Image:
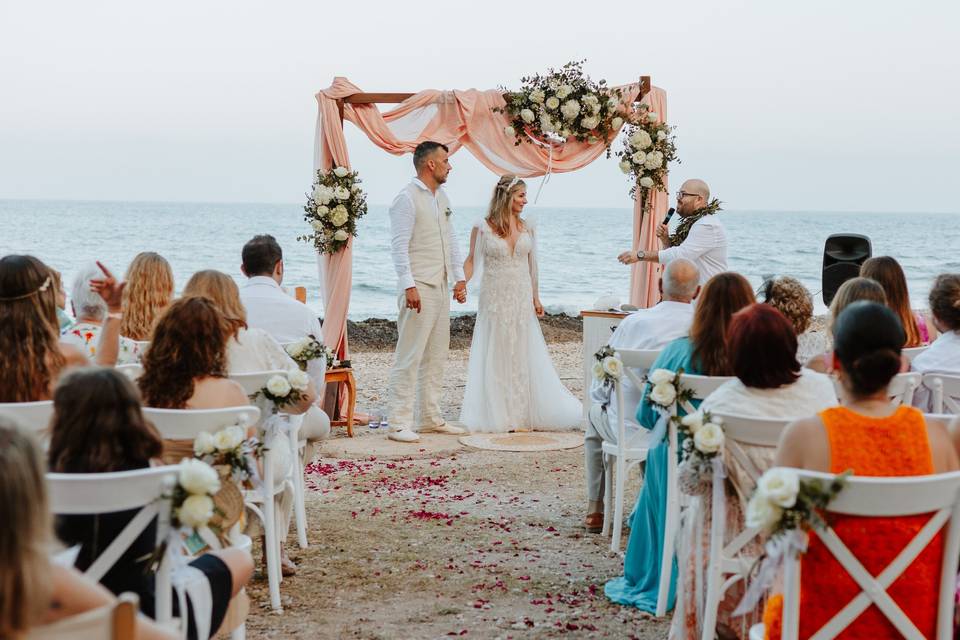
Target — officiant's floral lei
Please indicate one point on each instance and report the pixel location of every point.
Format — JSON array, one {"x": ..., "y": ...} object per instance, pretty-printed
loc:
[
  {"x": 333, "y": 208},
  {"x": 564, "y": 103},
  {"x": 683, "y": 229}
]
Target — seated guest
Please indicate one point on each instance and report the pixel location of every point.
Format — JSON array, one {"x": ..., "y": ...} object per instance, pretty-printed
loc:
[
  {"x": 769, "y": 383},
  {"x": 186, "y": 368},
  {"x": 889, "y": 274},
  {"x": 147, "y": 294},
  {"x": 870, "y": 437},
  {"x": 849, "y": 292},
  {"x": 31, "y": 356},
  {"x": 63, "y": 318},
  {"x": 788, "y": 296},
  {"x": 703, "y": 353},
  {"x": 98, "y": 427},
  {"x": 644, "y": 329},
  {"x": 36, "y": 591},
  {"x": 90, "y": 310},
  {"x": 943, "y": 356}
]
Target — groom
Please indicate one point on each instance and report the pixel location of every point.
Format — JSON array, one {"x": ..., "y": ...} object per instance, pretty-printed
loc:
[{"x": 427, "y": 258}]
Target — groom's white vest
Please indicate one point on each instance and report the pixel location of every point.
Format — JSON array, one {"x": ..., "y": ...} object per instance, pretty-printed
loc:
[{"x": 430, "y": 242}]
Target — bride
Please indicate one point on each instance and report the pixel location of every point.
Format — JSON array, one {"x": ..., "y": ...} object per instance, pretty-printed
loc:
[{"x": 511, "y": 382}]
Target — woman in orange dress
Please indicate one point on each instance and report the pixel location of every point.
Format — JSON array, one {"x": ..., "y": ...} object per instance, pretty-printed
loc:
[{"x": 870, "y": 437}]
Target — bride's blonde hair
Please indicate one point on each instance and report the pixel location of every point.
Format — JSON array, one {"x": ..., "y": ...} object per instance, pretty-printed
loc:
[{"x": 501, "y": 209}]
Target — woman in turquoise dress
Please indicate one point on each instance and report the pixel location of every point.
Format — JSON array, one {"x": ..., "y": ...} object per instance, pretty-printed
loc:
[{"x": 703, "y": 353}]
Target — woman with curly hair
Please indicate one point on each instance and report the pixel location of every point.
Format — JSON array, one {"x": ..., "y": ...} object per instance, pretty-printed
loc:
[
  {"x": 788, "y": 296},
  {"x": 31, "y": 356},
  {"x": 148, "y": 291}
]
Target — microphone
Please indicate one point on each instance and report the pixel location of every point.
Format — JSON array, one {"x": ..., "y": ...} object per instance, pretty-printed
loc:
[{"x": 670, "y": 213}]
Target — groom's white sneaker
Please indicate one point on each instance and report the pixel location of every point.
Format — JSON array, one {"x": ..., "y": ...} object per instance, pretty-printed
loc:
[
  {"x": 444, "y": 428},
  {"x": 403, "y": 435}
]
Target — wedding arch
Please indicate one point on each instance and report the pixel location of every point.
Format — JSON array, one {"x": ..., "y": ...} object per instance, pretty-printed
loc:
[{"x": 471, "y": 119}]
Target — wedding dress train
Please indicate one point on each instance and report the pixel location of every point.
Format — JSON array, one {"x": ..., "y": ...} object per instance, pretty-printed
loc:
[{"x": 511, "y": 381}]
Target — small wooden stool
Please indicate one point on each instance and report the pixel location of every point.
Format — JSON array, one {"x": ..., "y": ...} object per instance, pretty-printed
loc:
[{"x": 344, "y": 375}]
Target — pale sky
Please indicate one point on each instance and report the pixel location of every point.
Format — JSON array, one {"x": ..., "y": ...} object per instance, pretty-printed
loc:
[{"x": 816, "y": 105}]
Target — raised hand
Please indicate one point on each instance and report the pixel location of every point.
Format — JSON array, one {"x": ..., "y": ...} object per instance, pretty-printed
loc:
[{"x": 108, "y": 288}]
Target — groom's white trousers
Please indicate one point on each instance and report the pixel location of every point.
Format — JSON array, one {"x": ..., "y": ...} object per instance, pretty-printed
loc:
[{"x": 422, "y": 346}]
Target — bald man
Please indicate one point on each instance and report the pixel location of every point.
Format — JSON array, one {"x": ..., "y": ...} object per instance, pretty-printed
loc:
[
  {"x": 650, "y": 329},
  {"x": 706, "y": 242}
]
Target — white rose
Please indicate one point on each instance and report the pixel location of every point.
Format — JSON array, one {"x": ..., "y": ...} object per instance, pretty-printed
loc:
[
  {"x": 598, "y": 370},
  {"x": 693, "y": 421},
  {"x": 322, "y": 211},
  {"x": 570, "y": 109},
  {"x": 527, "y": 116},
  {"x": 229, "y": 439},
  {"x": 590, "y": 99},
  {"x": 663, "y": 394},
  {"x": 536, "y": 96},
  {"x": 662, "y": 376},
  {"x": 509, "y": 131},
  {"x": 552, "y": 102},
  {"x": 341, "y": 172},
  {"x": 762, "y": 513},
  {"x": 646, "y": 182},
  {"x": 780, "y": 486},
  {"x": 590, "y": 122},
  {"x": 652, "y": 163},
  {"x": 709, "y": 438},
  {"x": 340, "y": 235},
  {"x": 198, "y": 477},
  {"x": 339, "y": 216},
  {"x": 616, "y": 123},
  {"x": 317, "y": 225},
  {"x": 298, "y": 379},
  {"x": 564, "y": 90},
  {"x": 195, "y": 511},
  {"x": 341, "y": 193},
  {"x": 278, "y": 386},
  {"x": 661, "y": 135},
  {"x": 203, "y": 444},
  {"x": 613, "y": 366},
  {"x": 641, "y": 139},
  {"x": 638, "y": 157},
  {"x": 652, "y": 116},
  {"x": 295, "y": 349},
  {"x": 625, "y": 166}
]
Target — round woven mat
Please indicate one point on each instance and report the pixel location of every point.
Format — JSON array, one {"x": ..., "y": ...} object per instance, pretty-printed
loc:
[{"x": 525, "y": 441}]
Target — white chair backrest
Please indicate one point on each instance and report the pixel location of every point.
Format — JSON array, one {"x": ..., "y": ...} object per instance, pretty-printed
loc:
[
  {"x": 900, "y": 389},
  {"x": 254, "y": 381},
  {"x": 184, "y": 424},
  {"x": 94, "y": 493},
  {"x": 116, "y": 621},
  {"x": 638, "y": 358},
  {"x": 945, "y": 390},
  {"x": 142, "y": 345},
  {"x": 753, "y": 431},
  {"x": 132, "y": 371},
  {"x": 885, "y": 497},
  {"x": 32, "y": 416},
  {"x": 702, "y": 386},
  {"x": 912, "y": 352}
]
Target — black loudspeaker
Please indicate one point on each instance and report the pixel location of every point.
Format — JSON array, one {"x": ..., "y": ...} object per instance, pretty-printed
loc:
[{"x": 843, "y": 253}]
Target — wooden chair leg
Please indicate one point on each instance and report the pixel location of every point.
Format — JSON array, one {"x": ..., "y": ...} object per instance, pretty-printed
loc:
[{"x": 351, "y": 402}]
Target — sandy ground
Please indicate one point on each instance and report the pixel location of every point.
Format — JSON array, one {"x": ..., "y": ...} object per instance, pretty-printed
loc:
[{"x": 441, "y": 541}]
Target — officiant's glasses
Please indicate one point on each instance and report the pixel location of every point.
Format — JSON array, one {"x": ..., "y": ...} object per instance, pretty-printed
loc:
[{"x": 683, "y": 194}]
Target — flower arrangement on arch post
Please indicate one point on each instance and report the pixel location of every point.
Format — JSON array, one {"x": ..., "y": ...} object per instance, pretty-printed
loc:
[
  {"x": 648, "y": 147},
  {"x": 333, "y": 208}
]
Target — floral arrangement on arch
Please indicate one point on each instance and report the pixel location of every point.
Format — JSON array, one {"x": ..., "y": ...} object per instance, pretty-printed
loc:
[
  {"x": 565, "y": 104},
  {"x": 648, "y": 147},
  {"x": 333, "y": 208},
  {"x": 283, "y": 389},
  {"x": 308, "y": 349}
]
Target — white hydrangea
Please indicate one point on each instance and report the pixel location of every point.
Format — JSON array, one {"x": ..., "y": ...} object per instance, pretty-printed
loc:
[
  {"x": 552, "y": 103},
  {"x": 339, "y": 215},
  {"x": 317, "y": 225},
  {"x": 616, "y": 123},
  {"x": 322, "y": 194},
  {"x": 546, "y": 124},
  {"x": 341, "y": 172},
  {"x": 196, "y": 511},
  {"x": 564, "y": 90},
  {"x": 590, "y": 122},
  {"x": 527, "y": 115},
  {"x": 570, "y": 109},
  {"x": 278, "y": 386},
  {"x": 203, "y": 444},
  {"x": 652, "y": 162},
  {"x": 590, "y": 99},
  {"x": 196, "y": 476},
  {"x": 537, "y": 96},
  {"x": 340, "y": 235}
]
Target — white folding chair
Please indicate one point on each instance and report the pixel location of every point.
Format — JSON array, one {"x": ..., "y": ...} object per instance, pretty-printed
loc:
[
  {"x": 31, "y": 416},
  {"x": 622, "y": 451},
  {"x": 726, "y": 563},
  {"x": 132, "y": 370},
  {"x": 945, "y": 390},
  {"x": 141, "y": 345},
  {"x": 254, "y": 381},
  {"x": 94, "y": 493},
  {"x": 116, "y": 621},
  {"x": 701, "y": 386},
  {"x": 883, "y": 497},
  {"x": 900, "y": 389},
  {"x": 912, "y": 352}
]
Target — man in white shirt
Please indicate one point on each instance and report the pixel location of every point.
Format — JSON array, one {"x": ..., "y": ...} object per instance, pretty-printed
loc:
[
  {"x": 647, "y": 329},
  {"x": 706, "y": 242},
  {"x": 286, "y": 319}
]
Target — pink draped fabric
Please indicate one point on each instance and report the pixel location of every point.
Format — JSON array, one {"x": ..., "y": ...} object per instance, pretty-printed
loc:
[{"x": 457, "y": 119}]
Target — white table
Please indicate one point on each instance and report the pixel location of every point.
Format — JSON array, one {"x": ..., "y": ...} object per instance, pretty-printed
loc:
[{"x": 598, "y": 326}]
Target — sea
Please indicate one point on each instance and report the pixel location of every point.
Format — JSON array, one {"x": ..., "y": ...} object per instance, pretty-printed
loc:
[{"x": 578, "y": 247}]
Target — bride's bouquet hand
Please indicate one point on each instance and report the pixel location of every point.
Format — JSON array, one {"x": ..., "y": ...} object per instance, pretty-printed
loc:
[{"x": 537, "y": 307}]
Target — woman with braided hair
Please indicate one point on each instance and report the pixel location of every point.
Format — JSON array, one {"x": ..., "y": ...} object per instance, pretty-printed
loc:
[{"x": 512, "y": 384}]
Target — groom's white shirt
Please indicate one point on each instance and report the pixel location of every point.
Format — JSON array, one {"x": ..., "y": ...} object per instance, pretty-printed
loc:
[{"x": 402, "y": 218}]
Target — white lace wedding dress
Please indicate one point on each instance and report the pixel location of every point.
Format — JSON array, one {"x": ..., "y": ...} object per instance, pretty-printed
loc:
[{"x": 511, "y": 381}]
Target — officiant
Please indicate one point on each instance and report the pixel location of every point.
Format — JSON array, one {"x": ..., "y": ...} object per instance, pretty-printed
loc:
[{"x": 700, "y": 236}]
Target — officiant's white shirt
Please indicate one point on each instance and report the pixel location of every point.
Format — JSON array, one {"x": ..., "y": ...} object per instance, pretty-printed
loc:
[
  {"x": 402, "y": 217},
  {"x": 271, "y": 309},
  {"x": 705, "y": 246},
  {"x": 649, "y": 328}
]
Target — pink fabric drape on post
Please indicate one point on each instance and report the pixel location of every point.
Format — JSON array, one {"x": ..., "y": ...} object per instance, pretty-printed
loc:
[{"x": 455, "y": 118}]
